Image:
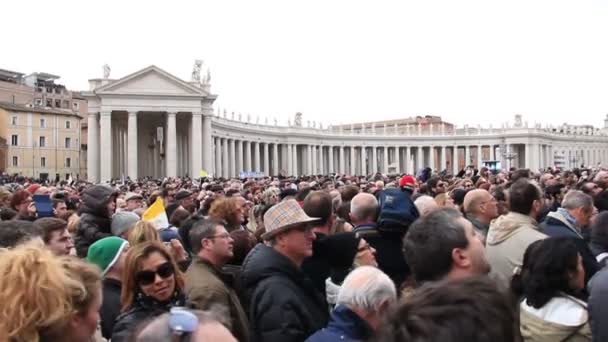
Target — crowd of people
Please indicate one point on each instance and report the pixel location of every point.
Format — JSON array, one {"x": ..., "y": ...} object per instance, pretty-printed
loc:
[{"x": 479, "y": 256}]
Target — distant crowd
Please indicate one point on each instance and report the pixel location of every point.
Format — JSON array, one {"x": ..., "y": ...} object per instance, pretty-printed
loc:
[{"x": 481, "y": 255}]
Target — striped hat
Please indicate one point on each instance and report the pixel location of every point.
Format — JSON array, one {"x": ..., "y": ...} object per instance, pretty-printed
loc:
[{"x": 284, "y": 216}]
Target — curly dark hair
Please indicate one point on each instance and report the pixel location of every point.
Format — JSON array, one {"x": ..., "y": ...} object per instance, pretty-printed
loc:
[
  {"x": 546, "y": 271},
  {"x": 471, "y": 310}
]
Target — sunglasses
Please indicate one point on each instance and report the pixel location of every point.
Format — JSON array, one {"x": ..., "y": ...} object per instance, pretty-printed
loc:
[{"x": 147, "y": 277}]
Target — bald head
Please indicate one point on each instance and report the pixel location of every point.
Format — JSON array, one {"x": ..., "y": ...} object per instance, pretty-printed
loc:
[
  {"x": 481, "y": 205},
  {"x": 363, "y": 208}
]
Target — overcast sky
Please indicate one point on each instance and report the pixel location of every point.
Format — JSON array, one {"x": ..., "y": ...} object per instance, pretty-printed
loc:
[{"x": 337, "y": 61}]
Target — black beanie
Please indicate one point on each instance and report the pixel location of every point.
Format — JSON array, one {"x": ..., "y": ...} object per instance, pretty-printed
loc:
[{"x": 341, "y": 249}]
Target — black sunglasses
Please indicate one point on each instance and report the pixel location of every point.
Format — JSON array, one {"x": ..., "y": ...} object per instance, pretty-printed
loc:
[{"x": 147, "y": 277}]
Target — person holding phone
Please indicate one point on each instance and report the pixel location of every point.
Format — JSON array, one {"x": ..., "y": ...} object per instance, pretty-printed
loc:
[{"x": 23, "y": 204}]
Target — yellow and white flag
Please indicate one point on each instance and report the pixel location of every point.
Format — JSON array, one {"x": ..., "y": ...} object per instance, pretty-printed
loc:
[{"x": 156, "y": 214}]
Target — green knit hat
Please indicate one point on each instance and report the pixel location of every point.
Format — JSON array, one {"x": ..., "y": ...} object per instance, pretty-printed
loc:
[{"x": 105, "y": 252}]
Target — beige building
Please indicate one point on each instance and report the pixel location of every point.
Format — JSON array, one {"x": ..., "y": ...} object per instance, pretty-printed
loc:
[{"x": 41, "y": 142}]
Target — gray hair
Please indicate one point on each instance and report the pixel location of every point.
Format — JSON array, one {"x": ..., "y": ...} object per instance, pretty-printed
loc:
[
  {"x": 158, "y": 330},
  {"x": 425, "y": 204},
  {"x": 202, "y": 229},
  {"x": 364, "y": 205},
  {"x": 367, "y": 288},
  {"x": 577, "y": 199}
]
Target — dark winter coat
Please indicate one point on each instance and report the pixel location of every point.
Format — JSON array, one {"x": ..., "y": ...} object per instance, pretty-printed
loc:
[
  {"x": 143, "y": 309},
  {"x": 95, "y": 220},
  {"x": 389, "y": 251},
  {"x": 110, "y": 308},
  {"x": 555, "y": 225},
  {"x": 317, "y": 266},
  {"x": 344, "y": 325},
  {"x": 283, "y": 305}
]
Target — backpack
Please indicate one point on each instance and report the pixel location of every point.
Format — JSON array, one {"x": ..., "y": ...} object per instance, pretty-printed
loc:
[{"x": 397, "y": 211}]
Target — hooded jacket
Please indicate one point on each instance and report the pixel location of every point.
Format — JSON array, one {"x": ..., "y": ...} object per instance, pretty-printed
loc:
[
  {"x": 562, "y": 319},
  {"x": 557, "y": 225},
  {"x": 95, "y": 220},
  {"x": 283, "y": 303},
  {"x": 508, "y": 238}
]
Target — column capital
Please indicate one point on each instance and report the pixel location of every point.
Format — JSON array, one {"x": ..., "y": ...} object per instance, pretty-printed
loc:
[
  {"x": 171, "y": 113},
  {"x": 105, "y": 113},
  {"x": 133, "y": 112},
  {"x": 197, "y": 113}
]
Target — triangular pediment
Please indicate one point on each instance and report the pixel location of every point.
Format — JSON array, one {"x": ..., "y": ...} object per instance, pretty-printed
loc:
[{"x": 151, "y": 81}]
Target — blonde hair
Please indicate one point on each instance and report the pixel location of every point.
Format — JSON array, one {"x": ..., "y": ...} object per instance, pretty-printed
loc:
[
  {"x": 143, "y": 231},
  {"x": 73, "y": 222},
  {"x": 40, "y": 292}
]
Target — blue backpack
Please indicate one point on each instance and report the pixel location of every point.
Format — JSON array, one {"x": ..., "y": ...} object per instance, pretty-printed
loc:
[{"x": 397, "y": 211}]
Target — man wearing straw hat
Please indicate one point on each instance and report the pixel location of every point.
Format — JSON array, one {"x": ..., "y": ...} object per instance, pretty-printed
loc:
[{"x": 283, "y": 303}]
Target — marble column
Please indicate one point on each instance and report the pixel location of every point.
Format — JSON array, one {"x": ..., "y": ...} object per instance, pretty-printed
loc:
[
  {"x": 315, "y": 159},
  {"x": 240, "y": 155},
  {"x": 408, "y": 160},
  {"x": 171, "y": 153},
  {"x": 479, "y": 156},
  {"x": 385, "y": 161},
  {"x": 397, "y": 160},
  {"x": 275, "y": 160},
  {"x": 196, "y": 152},
  {"x": 232, "y": 158},
  {"x": 467, "y": 155},
  {"x": 218, "y": 157},
  {"x": 341, "y": 161},
  {"x": 455, "y": 166},
  {"x": 330, "y": 157},
  {"x": 93, "y": 149},
  {"x": 295, "y": 170},
  {"x": 432, "y": 157},
  {"x": 363, "y": 161},
  {"x": 225, "y": 159},
  {"x": 322, "y": 164},
  {"x": 352, "y": 160},
  {"x": 374, "y": 159},
  {"x": 207, "y": 143},
  {"x": 105, "y": 146},
  {"x": 420, "y": 159},
  {"x": 290, "y": 160},
  {"x": 528, "y": 157},
  {"x": 266, "y": 160},
  {"x": 443, "y": 162},
  {"x": 256, "y": 156}
]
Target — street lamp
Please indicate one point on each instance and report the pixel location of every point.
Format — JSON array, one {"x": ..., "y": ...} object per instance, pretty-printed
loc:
[{"x": 507, "y": 155}]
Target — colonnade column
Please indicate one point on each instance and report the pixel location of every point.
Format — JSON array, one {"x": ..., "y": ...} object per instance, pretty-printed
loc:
[
  {"x": 341, "y": 162},
  {"x": 207, "y": 143},
  {"x": 408, "y": 160},
  {"x": 256, "y": 156},
  {"x": 218, "y": 157},
  {"x": 132, "y": 146},
  {"x": 352, "y": 160},
  {"x": 528, "y": 157},
  {"x": 226, "y": 159},
  {"x": 363, "y": 161},
  {"x": 275, "y": 160},
  {"x": 420, "y": 159},
  {"x": 467, "y": 155},
  {"x": 289, "y": 160},
  {"x": 397, "y": 160},
  {"x": 443, "y": 162},
  {"x": 374, "y": 159},
  {"x": 321, "y": 166},
  {"x": 232, "y": 158},
  {"x": 196, "y": 157},
  {"x": 266, "y": 160},
  {"x": 295, "y": 160},
  {"x": 247, "y": 153},
  {"x": 455, "y": 163},
  {"x": 240, "y": 154},
  {"x": 105, "y": 146},
  {"x": 171, "y": 153},
  {"x": 385, "y": 160},
  {"x": 432, "y": 157},
  {"x": 93, "y": 149},
  {"x": 308, "y": 159},
  {"x": 479, "y": 156},
  {"x": 330, "y": 156}
]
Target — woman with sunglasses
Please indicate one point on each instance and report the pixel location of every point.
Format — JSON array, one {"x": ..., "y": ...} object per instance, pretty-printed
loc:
[{"x": 152, "y": 285}]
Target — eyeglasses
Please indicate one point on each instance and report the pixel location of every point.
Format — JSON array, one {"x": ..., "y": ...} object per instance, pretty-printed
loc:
[
  {"x": 182, "y": 322},
  {"x": 147, "y": 277},
  {"x": 219, "y": 236}
]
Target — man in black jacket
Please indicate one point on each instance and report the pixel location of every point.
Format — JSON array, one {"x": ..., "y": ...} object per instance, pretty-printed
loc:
[
  {"x": 98, "y": 205},
  {"x": 283, "y": 305},
  {"x": 569, "y": 221}
]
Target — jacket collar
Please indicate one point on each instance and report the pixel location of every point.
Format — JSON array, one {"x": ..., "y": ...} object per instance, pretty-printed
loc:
[
  {"x": 559, "y": 216},
  {"x": 344, "y": 321},
  {"x": 211, "y": 268}
]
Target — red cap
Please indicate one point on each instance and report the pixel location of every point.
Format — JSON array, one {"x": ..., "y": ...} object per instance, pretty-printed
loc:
[
  {"x": 407, "y": 181},
  {"x": 32, "y": 188}
]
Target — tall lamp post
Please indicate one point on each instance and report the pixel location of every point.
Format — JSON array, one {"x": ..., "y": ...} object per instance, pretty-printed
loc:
[{"x": 507, "y": 154}]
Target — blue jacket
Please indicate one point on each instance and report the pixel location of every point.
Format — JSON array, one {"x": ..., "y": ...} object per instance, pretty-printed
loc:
[{"x": 344, "y": 325}]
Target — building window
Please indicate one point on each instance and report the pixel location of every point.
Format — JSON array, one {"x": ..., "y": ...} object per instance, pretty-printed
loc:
[
  {"x": 42, "y": 141},
  {"x": 68, "y": 162},
  {"x": 49, "y": 103},
  {"x": 68, "y": 142},
  {"x": 15, "y": 161},
  {"x": 43, "y": 162},
  {"x": 68, "y": 124},
  {"x": 14, "y": 121},
  {"x": 38, "y": 102},
  {"x": 14, "y": 140},
  {"x": 42, "y": 123},
  {"x": 75, "y": 105},
  {"x": 58, "y": 103}
]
